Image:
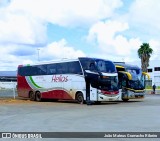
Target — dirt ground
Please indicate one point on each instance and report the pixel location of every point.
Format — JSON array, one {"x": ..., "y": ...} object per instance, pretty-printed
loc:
[
  {"x": 19, "y": 100},
  {"x": 14, "y": 101}
]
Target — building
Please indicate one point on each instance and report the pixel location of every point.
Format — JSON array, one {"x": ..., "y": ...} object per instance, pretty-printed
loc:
[
  {"x": 8, "y": 76},
  {"x": 153, "y": 70}
]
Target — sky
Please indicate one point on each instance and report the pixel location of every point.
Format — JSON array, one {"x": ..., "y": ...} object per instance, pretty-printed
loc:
[{"x": 34, "y": 31}]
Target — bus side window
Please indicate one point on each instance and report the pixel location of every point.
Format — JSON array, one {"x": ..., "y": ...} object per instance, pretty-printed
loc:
[
  {"x": 78, "y": 69},
  {"x": 124, "y": 83},
  {"x": 41, "y": 69},
  {"x": 64, "y": 67},
  {"x": 33, "y": 71},
  {"x": 51, "y": 69},
  {"x": 74, "y": 68},
  {"x": 120, "y": 84},
  {"x": 92, "y": 67}
]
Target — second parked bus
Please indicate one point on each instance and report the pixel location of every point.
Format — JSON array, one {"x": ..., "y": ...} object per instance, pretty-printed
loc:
[{"x": 131, "y": 81}]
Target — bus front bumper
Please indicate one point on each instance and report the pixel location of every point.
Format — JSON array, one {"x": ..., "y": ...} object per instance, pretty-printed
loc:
[
  {"x": 133, "y": 95},
  {"x": 102, "y": 97}
]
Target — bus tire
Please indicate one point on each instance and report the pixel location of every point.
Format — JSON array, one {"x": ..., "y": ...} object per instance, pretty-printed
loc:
[
  {"x": 97, "y": 102},
  {"x": 32, "y": 96},
  {"x": 38, "y": 96},
  {"x": 79, "y": 98},
  {"x": 125, "y": 100}
]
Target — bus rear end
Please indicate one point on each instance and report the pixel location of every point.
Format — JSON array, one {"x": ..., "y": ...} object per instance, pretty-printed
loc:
[{"x": 23, "y": 87}]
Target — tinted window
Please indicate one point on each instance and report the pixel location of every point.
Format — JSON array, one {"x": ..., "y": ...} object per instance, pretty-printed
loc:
[
  {"x": 74, "y": 68},
  {"x": 105, "y": 66},
  {"x": 149, "y": 70},
  {"x": 120, "y": 69},
  {"x": 60, "y": 68},
  {"x": 64, "y": 68},
  {"x": 32, "y": 70},
  {"x": 41, "y": 69},
  {"x": 85, "y": 62},
  {"x": 137, "y": 71},
  {"x": 135, "y": 84},
  {"x": 51, "y": 69},
  {"x": 157, "y": 69}
]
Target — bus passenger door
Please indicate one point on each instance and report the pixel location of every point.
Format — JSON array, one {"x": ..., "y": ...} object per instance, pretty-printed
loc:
[{"x": 122, "y": 78}]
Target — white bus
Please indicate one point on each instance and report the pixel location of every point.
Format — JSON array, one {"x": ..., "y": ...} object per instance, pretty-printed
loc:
[{"x": 80, "y": 79}]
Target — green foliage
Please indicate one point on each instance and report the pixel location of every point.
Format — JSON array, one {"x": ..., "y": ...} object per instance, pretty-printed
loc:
[
  {"x": 150, "y": 87},
  {"x": 144, "y": 53}
]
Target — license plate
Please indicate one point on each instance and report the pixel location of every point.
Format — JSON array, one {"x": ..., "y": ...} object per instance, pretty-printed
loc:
[{"x": 110, "y": 99}]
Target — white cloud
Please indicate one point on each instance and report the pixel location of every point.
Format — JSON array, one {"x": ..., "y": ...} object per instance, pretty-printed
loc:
[
  {"x": 145, "y": 11},
  {"x": 59, "y": 50},
  {"x": 8, "y": 61},
  {"x": 54, "y": 50},
  {"x": 110, "y": 40},
  {"x": 143, "y": 15},
  {"x": 23, "y": 24},
  {"x": 67, "y": 13},
  {"x": 154, "y": 44},
  {"x": 25, "y": 21},
  {"x": 21, "y": 29}
]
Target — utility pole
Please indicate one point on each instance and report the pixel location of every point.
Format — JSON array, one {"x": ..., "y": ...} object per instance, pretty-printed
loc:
[{"x": 38, "y": 49}]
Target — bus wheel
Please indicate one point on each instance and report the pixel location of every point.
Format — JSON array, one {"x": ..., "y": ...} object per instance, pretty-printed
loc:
[
  {"x": 38, "y": 96},
  {"x": 125, "y": 100},
  {"x": 97, "y": 102},
  {"x": 79, "y": 98},
  {"x": 32, "y": 96}
]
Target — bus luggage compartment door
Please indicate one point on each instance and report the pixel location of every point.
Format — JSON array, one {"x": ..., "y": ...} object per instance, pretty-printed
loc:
[{"x": 93, "y": 94}]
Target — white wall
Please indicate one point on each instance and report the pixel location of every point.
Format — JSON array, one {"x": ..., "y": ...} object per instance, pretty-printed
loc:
[
  {"x": 8, "y": 85},
  {"x": 154, "y": 75}
]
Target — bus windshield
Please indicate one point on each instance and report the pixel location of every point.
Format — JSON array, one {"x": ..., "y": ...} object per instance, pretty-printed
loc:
[
  {"x": 95, "y": 70},
  {"x": 137, "y": 79},
  {"x": 110, "y": 83},
  {"x": 135, "y": 84},
  {"x": 105, "y": 66},
  {"x": 136, "y": 73}
]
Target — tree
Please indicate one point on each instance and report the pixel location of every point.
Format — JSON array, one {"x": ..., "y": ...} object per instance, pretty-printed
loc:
[{"x": 144, "y": 53}]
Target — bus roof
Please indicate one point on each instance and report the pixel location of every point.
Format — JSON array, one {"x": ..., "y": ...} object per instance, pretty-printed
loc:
[
  {"x": 61, "y": 60},
  {"x": 127, "y": 66},
  {"x": 52, "y": 61}
]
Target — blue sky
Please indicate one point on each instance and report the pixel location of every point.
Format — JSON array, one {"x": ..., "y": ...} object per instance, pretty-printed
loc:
[{"x": 56, "y": 29}]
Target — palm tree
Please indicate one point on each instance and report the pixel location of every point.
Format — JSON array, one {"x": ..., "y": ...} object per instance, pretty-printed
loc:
[{"x": 144, "y": 53}]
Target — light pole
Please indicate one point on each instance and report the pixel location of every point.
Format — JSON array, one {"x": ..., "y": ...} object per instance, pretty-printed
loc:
[
  {"x": 123, "y": 59},
  {"x": 38, "y": 49}
]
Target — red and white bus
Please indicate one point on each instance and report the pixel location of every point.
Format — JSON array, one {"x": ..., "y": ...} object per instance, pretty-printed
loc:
[{"x": 79, "y": 79}]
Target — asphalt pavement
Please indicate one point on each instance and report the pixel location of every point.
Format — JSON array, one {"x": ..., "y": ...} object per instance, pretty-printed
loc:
[{"x": 132, "y": 116}]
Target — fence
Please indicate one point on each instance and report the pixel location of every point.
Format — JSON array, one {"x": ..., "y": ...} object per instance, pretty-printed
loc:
[
  {"x": 8, "y": 89},
  {"x": 148, "y": 83}
]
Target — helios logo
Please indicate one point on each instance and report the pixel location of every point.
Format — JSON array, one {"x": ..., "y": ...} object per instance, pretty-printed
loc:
[{"x": 59, "y": 78}]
